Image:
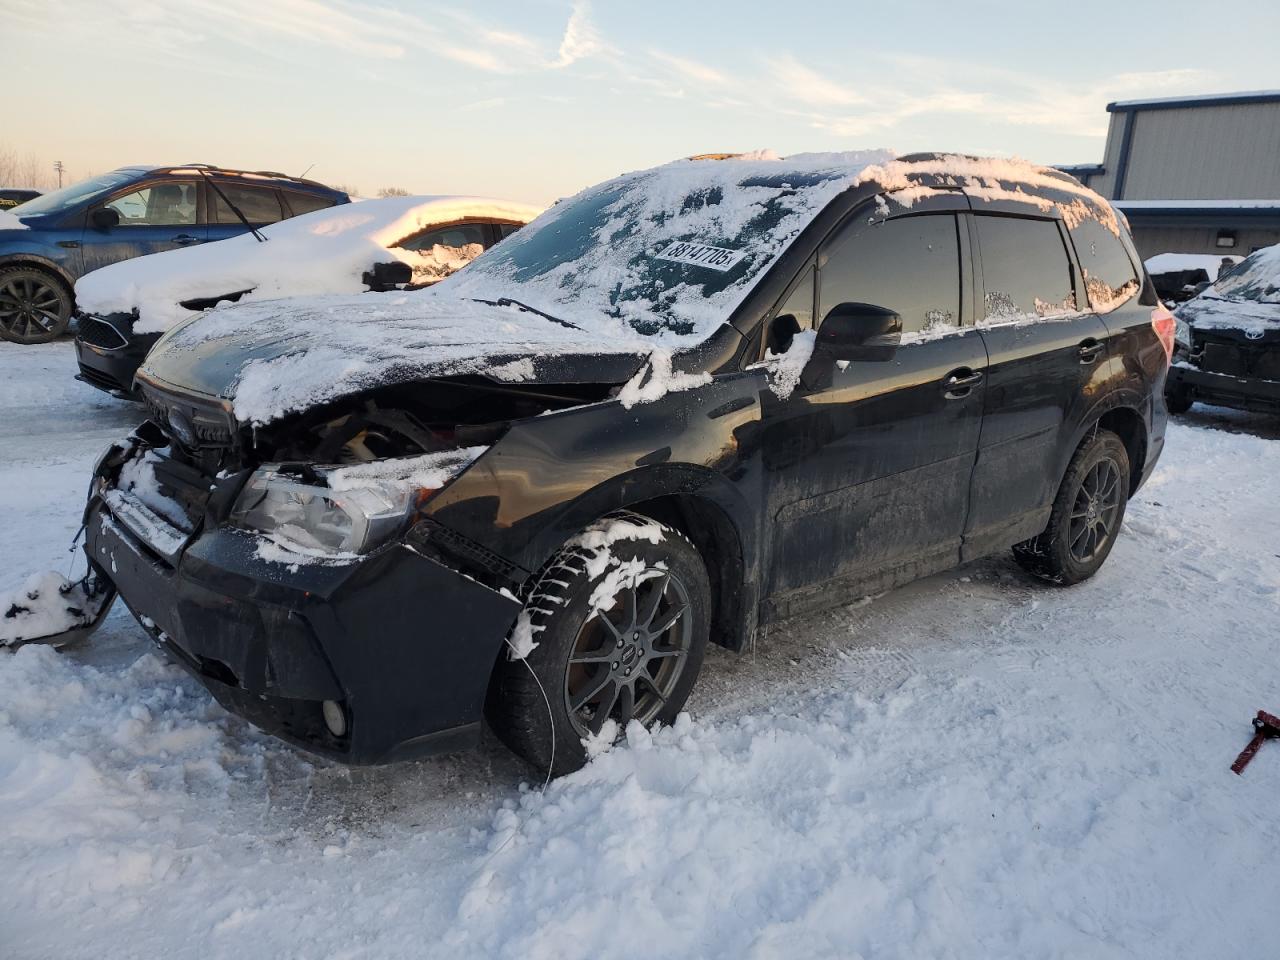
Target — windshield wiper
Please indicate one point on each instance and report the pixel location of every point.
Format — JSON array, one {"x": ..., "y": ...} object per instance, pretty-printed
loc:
[
  {"x": 508, "y": 302},
  {"x": 234, "y": 209}
]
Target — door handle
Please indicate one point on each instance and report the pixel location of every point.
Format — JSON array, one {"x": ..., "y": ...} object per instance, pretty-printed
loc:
[
  {"x": 960, "y": 383},
  {"x": 185, "y": 239},
  {"x": 1091, "y": 350}
]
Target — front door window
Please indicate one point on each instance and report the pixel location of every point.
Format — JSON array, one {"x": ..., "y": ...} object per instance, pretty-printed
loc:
[{"x": 172, "y": 203}]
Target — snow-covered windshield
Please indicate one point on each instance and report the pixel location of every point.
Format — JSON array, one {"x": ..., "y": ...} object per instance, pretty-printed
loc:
[
  {"x": 1257, "y": 279},
  {"x": 69, "y": 197},
  {"x": 667, "y": 252}
]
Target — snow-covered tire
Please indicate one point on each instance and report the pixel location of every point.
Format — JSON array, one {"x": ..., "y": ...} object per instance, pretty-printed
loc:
[
  {"x": 585, "y": 618},
  {"x": 35, "y": 306},
  {"x": 1093, "y": 496}
]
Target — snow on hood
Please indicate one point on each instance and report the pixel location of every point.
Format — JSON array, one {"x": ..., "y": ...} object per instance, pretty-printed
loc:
[
  {"x": 10, "y": 222},
  {"x": 325, "y": 252},
  {"x": 656, "y": 259},
  {"x": 1248, "y": 298}
]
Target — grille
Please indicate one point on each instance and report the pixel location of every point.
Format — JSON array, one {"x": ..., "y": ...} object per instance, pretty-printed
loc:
[
  {"x": 191, "y": 423},
  {"x": 99, "y": 333},
  {"x": 1239, "y": 360}
]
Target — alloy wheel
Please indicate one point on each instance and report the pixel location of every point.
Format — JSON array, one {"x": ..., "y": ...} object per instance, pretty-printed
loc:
[
  {"x": 29, "y": 307},
  {"x": 1092, "y": 523},
  {"x": 627, "y": 660}
]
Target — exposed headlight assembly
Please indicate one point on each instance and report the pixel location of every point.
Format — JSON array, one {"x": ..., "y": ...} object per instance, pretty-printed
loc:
[
  {"x": 1182, "y": 334},
  {"x": 319, "y": 519}
]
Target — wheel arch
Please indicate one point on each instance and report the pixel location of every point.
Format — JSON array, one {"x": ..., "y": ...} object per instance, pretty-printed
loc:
[
  {"x": 38, "y": 262},
  {"x": 703, "y": 506},
  {"x": 1122, "y": 415}
]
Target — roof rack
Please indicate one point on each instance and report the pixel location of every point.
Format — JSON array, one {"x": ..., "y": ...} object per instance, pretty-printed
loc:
[{"x": 226, "y": 171}]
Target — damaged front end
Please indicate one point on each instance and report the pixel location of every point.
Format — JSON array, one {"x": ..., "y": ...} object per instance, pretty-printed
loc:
[{"x": 294, "y": 568}]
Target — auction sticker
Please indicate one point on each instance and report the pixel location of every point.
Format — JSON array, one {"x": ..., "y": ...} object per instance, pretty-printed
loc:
[{"x": 701, "y": 255}]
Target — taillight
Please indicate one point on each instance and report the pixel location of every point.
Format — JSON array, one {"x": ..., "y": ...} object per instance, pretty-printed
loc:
[{"x": 1163, "y": 324}]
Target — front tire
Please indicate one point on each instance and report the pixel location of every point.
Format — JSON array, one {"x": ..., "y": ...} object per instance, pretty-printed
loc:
[
  {"x": 620, "y": 618},
  {"x": 1087, "y": 514},
  {"x": 35, "y": 306}
]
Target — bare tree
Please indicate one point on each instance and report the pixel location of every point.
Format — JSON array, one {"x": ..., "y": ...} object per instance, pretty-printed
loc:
[
  {"x": 348, "y": 189},
  {"x": 24, "y": 171},
  {"x": 392, "y": 192}
]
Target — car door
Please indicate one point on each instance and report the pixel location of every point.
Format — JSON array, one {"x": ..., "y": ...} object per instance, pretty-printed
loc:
[
  {"x": 1045, "y": 349},
  {"x": 156, "y": 215},
  {"x": 259, "y": 204},
  {"x": 867, "y": 475}
]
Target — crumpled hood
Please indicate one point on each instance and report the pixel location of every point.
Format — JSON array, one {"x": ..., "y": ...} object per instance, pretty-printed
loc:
[
  {"x": 1252, "y": 319},
  {"x": 273, "y": 358}
]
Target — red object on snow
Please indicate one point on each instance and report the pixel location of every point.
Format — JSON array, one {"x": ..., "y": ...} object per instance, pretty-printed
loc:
[{"x": 1268, "y": 728}]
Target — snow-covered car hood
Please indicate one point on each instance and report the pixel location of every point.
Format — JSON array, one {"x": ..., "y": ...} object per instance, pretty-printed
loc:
[
  {"x": 1246, "y": 299},
  {"x": 273, "y": 358},
  {"x": 8, "y": 221},
  {"x": 325, "y": 252}
]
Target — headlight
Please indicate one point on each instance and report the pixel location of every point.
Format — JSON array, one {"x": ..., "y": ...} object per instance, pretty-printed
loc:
[
  {"x": 317, "y": 518},
  {"x": 1182, "y": 334}
]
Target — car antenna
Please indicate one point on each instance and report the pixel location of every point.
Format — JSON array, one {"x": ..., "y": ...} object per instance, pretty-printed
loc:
[
  {"x": 234, "y": 209},
  {"x": 306, "y": 171}
]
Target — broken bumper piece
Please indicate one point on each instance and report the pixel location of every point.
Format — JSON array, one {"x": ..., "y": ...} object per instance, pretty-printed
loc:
[
  {"x": 56, "y": 612},
  {"x": 396, "y": 647}
]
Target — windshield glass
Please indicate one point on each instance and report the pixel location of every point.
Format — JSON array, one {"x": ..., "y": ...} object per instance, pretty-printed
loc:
[
  {"x": 69, "y": 197},
  {"x": 668, "y": 252},
  {"x": 1257, "y": 278}
]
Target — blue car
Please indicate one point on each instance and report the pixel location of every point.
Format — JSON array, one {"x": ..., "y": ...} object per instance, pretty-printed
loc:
[{"x": 48, "y": 243}]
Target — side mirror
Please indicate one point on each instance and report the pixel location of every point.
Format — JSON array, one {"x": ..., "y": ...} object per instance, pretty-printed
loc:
[
  {"x": 388, "y": 276},
  {"x": 859, "y": 331},
  {"x": 104, "y": 218}
]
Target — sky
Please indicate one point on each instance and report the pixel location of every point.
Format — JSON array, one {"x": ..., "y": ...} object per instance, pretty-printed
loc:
[{"x": 537, "y": 99}]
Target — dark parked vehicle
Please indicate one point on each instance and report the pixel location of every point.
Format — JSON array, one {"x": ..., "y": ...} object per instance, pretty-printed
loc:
[
  {"x": 10, "y": 197},
  {"x": 128, "y": 213},
  {"x": 685, "y": 403},
  {"x": 1228, "y": 340}
]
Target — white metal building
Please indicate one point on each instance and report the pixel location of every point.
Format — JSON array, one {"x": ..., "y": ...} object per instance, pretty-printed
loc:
[{"x": 1194, "y": 174}]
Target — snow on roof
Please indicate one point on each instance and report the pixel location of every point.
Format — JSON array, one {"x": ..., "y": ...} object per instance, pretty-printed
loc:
[
  {"x": 9, "y": 222},
  {"x": 322, "y": 252},
  {"x": 1256, "y": 279}
]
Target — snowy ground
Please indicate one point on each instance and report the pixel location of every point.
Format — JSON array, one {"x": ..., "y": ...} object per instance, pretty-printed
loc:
[{"x": 972, "y": 766}]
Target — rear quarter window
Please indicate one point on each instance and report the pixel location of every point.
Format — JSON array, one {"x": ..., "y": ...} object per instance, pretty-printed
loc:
[
  {"x": 1110, "y": 277},
  {"x": 300, "y": 203}
]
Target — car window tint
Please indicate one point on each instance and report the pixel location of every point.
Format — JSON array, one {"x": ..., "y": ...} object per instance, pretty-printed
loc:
[
  {"x": 458, "y": 236},
  {"x": 301, "y": 203},
  {"x": 1109, "y": 275},
  {"x": 1025, "y": 269},
  {"x": 911, "y": 265},
  {"x": 257, "y": 204},
  {"x": 161, "y": 204}
]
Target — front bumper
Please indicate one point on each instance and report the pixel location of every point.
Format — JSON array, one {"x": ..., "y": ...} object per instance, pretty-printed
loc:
[
  {"x": 1225, "y": 390},
  {"x": 108, "y": 353},
  {"x": 404, "y": 643}
]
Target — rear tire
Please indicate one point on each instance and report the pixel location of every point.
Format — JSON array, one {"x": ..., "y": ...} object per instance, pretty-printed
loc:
[
  {"x": 1087, "y": 514},
  {"x": 35, "y": 305},
  {"x": 620, "y": 625}
]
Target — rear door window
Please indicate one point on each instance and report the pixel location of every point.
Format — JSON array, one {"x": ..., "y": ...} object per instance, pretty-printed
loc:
[
  {"x": 1110, "y": 277},
  {"x": 911, "y": 265},
  {"x": 1025, "y": 268},
  {"x": 457, "y": 237},
  {"x": 258, "y": 205}
]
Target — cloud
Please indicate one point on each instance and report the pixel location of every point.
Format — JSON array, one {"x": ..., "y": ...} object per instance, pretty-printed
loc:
[
  {"x": 581, "y": 39},
  {"x": 691, "y": 69},
  {"x": 800, "y": 83}
]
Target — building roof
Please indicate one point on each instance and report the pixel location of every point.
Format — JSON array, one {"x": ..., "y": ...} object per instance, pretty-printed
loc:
[{"x": 1205, "y": 100}]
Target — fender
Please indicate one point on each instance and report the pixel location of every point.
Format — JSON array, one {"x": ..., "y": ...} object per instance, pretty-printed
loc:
[
  {"x": 1123, "y": 398},
  {"x": 25, "y": 259}
]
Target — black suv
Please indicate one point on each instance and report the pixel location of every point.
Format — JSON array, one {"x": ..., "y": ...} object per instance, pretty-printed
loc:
[
  {"x": 684, "y": 403},
  {"x": 1228, "y": 340}
]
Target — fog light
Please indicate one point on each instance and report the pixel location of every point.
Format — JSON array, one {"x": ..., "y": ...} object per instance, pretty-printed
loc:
[{"x": 334, "y": 718}]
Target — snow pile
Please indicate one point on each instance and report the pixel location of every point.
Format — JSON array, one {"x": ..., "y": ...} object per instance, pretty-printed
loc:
[
  {"x": 9, "y": 221},
  {"x": 46, "y": 604},
  {"x": 431, "y": 471},
  {"x": 325, "y": 252}
]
